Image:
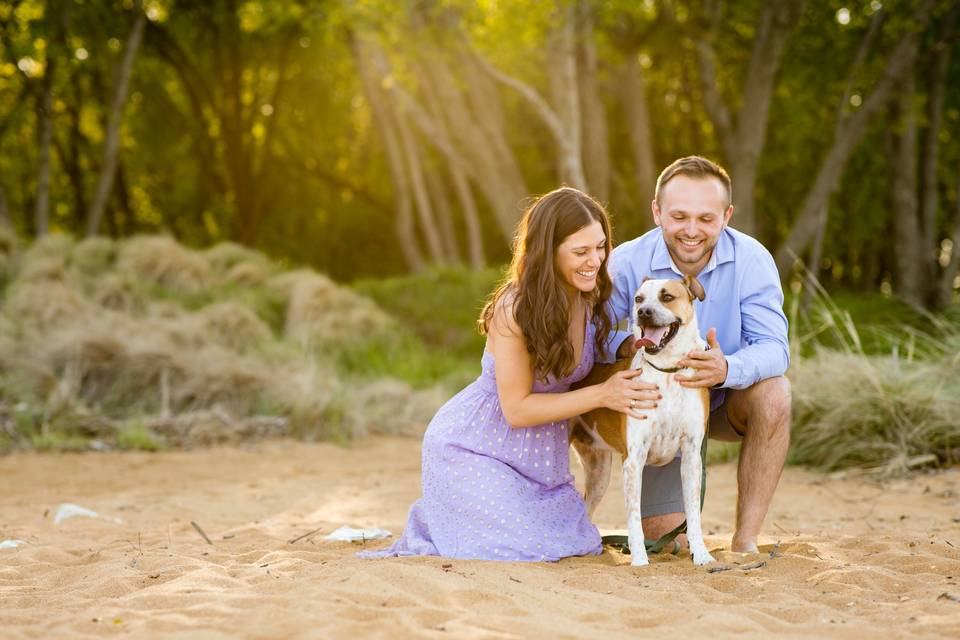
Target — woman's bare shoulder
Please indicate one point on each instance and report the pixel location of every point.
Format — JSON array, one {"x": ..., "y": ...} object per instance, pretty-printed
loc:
[{"x": 504, "y": 321}]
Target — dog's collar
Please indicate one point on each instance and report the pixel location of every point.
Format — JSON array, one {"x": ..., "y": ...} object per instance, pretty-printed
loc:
[{"x": 667, "y": 370}]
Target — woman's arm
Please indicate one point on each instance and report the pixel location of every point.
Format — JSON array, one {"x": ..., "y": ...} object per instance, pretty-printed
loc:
[{"x": 524, "y": 408}]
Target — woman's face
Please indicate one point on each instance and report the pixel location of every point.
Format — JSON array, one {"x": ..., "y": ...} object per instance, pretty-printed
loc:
[{"x": 579, "y": 256}]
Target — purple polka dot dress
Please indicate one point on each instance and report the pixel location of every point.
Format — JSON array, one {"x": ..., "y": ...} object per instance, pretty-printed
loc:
[{"x": 492, "y": 492}]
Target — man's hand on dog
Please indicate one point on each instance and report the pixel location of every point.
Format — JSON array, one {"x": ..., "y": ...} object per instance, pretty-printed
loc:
[{"x": 709, "y": 366}]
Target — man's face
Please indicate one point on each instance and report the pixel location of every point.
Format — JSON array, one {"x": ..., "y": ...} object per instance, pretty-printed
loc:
[{"x": 692, "y": 213}]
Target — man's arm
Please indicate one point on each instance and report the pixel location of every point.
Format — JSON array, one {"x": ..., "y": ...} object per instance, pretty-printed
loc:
[
  {"x": 765, "y": 350},
  {"x": 619, "y": 304}
]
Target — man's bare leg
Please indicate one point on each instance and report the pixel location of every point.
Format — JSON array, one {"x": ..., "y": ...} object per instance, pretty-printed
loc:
[
  {"x": 656, "y": 526},
  {"x": 762, "y": 414}
]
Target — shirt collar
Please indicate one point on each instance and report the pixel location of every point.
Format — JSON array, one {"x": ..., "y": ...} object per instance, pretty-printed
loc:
[{"x": 722, "y": 252}]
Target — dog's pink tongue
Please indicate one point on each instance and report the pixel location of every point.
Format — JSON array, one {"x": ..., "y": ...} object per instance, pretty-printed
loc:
[{"x": 651, "y": 336}]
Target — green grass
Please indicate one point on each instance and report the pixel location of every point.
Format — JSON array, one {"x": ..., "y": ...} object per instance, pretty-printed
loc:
[
  {"x": 135, "y": 435},
  {"x": 440, "y": 305},
  {"x": 404, "y": 357},
  {"x": 882, "y": 322}
]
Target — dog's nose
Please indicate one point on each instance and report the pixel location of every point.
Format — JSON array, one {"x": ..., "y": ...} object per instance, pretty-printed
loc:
[{"x": 644, "y": 312}]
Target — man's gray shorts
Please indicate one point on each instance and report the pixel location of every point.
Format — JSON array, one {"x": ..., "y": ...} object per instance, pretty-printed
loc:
[{"x": 661, "y": 492}]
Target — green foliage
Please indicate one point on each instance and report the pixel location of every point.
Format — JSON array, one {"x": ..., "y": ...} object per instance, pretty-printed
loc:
[
  {"x": 440, "y": 305},
  {"x": 135, "y": 435},
  {"x": 405, "y": 357}
]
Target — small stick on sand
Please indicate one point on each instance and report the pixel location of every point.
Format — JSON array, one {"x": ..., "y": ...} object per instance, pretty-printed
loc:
[
  {"x": 306, "y": 535},
  {"x": 200, "y": 531},
  {"x": 718, "y": 568}
]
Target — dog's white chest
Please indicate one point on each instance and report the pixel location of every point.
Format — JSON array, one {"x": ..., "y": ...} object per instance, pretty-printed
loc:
[{"x": 680, "y": 414}]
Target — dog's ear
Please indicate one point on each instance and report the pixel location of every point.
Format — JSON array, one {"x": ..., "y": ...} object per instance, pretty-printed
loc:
[
  {"x": 694, "y": 288},
  {"x": 645, "y": 279}
]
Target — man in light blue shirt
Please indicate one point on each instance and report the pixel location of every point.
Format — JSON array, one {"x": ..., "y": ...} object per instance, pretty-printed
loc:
[{"x": 745, "y": 328}]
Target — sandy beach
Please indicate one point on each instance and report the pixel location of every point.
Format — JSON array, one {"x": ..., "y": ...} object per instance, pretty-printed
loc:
[{"x": 844, "y": 556}]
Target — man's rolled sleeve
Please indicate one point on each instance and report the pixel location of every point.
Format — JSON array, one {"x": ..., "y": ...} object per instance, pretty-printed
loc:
[{"x": 765, "y": 351}]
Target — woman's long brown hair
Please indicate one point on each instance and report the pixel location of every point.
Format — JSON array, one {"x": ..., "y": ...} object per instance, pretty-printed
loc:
[{"x": 539, "y": 303}]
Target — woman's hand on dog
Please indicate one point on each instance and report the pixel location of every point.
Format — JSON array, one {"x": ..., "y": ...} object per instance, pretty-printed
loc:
[{"x": 626, "y": 393}]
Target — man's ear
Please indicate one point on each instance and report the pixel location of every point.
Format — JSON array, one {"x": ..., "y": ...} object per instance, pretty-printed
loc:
[
  {"x": 694, "y": 288},
  {"x": 727, "y": 215},
  {"x": 655, "y": 208}
]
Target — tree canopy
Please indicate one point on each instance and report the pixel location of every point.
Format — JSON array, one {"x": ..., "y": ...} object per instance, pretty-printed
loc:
[{"x": 374, "y": 137}]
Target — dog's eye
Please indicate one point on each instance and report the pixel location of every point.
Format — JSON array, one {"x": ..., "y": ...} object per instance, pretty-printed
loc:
[
  {"x": 638, "y": 299},
  {"x": 666, "y": 297}
]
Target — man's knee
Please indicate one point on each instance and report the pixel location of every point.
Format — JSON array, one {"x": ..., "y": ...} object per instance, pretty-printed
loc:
[{"x": 766, "y": 403}]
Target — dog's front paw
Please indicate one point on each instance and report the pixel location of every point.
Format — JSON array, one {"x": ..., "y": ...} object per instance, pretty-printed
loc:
[
  {"x": 702, "y": 557},
  {"x": 639, "y": 559}
]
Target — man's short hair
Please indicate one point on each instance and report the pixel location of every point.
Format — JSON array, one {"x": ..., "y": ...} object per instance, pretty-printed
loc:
[{"x": 694, "y": 167}]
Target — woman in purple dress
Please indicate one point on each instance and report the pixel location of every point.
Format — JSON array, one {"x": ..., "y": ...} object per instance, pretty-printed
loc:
[{"x": 496, "y": 477}]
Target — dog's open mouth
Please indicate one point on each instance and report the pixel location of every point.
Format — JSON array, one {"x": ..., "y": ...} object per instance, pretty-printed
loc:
[{"x": 653, "y": 339}]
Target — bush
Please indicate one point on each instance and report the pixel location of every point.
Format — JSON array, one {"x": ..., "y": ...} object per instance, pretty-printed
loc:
[
  {"x": 144, "y": 343},
  {"x": 883, "y": 411}
]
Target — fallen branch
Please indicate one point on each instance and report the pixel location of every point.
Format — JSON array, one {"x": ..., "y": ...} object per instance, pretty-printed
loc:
[{"x": 306, "y": 535}]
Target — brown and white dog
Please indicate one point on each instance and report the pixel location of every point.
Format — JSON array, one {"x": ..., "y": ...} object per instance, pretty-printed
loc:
[{"x": 665, "y": 327}]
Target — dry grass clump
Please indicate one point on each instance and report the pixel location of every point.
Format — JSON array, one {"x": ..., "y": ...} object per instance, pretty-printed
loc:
[
  {"x": 883, "y": 412},
  {"x": 235, "y": 264},
  {"x": 211, "y": 427},
  {"x": 45, "y": 259},
  {"x": 43, "y": 268},
  {"x": 117, "y": 292},
  {"x": 90, "y": 350},
  {"x": 114, "y": 362},
  {"x": 52, "y": 245},
  {"x": 42, "y": 305},
  {"x": 163, "y": 261},
  {"x": 387, "y": 406},
  {"x": 320, "y": 312},
  {"x": 231, "y": 325},
  {"x": 93, "y": 256},
  {"x": 886, "y": 413}
]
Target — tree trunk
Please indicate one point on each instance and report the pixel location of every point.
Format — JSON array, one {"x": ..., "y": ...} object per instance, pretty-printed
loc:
[
  {"x": 953, "y": 265},
  {"x": 846, "y": 136},
  {"x": 593, "y": 124},
  {"x": 433, "y": 125},
  {"x": 442, "y": 207},
  {"x": 564, "y": 121},
  {"x": 638, "y": 122},
  {"x": 41, "y": 209},
  {"x": 929, "y": 196},
  {"x": 566, "y": 92},
  {"x": 457, "y": 167},
  {"x": 421, "y": 197},
  {"x": 5, "y": 221},
  {"x": 112, "y": 141},
  {"x": 404, "y": 227},
  {"x": 816, "y": 255},
  {"x": 470, "y": 218},
  {"x": 479, "y": 140},
  {"x": 743, "y": 140},
  {"x": 910, "y": 256}
]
